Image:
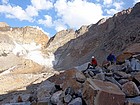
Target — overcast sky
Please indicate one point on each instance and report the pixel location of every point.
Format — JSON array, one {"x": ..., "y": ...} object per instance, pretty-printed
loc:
[{"x": 55, "y": 15}]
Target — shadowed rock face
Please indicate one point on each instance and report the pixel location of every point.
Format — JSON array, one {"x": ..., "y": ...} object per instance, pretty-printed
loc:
[{"x": 114, "y": 34}]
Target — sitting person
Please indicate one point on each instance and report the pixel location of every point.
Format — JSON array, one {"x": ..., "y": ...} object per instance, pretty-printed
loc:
[
  {"x": 93, "y": 63},
  {"x": 111, "y": 58}
]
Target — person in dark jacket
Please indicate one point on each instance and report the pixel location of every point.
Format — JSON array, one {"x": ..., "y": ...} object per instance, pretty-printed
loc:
[{"x": 111, "y": 58}]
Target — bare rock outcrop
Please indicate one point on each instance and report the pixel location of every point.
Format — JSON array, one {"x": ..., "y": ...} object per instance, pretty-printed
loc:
[
  {"x": 60, "y": 39},
  {"x": 6, "y": 44},
  {"x": 28, "y": 35},
  {"x": 4, "y": 26},
  {"x": 24, "y": 35}
]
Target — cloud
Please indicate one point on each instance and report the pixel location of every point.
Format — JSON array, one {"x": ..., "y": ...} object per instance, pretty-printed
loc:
[
  {"x": 97, "y": 0},
  {"x": 106, "y": 2},
  {"x": 76, "y": 13},
  {"x": 116, "y": 7},
  {"x": 60, "y": 28},
  {"x": 5, "y": 1},
  {"x": 111, "y": 11},
  {"x": 31, "y": 11},
  {"x": 47, "y": 21},
  {"x": 136, "y": 1},
  {"x": 42, "y": 4},
  {"x": 14, "y": 12},
  {"x": 59, "y": 25}
]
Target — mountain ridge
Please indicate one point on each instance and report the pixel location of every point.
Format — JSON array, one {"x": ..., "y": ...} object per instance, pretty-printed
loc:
[{"x": 107, "y": 35}]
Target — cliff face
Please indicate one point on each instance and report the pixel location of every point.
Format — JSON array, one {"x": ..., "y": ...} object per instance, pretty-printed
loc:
[
  {"x": 16, "y": 45},
  {"x": 108, "y": 35},
  {"x": 24, "y": 35},
  {"x": 60, "y": 39}
]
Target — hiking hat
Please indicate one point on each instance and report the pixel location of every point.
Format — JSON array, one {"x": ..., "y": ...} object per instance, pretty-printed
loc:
[{"x": 92, "y": 56}]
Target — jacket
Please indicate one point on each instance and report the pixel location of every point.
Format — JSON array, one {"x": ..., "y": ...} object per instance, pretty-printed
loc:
[{"x": 94, "y": 61}]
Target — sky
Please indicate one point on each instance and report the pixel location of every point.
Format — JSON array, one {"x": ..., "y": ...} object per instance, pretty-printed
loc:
[{"x": 52, "y": 16}]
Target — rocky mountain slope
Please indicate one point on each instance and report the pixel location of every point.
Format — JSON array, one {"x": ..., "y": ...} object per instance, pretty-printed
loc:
[
  {"x": 21, "y": 56},
  {"x": 108, "y": 35},
  {"x": 20, "y": 42}
]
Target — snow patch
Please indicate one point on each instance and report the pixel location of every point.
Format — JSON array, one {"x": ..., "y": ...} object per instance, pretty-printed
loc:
[
  {"x": 33, "y": 52},
  {"x": 39, "y": 58},
  {"x": 7, "y": 71}
]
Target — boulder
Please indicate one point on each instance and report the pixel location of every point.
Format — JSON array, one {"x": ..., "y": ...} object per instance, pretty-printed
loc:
[
  {"x": 80, "y": 77},
  {"x": 76, "y": 101},
  {"x": 130, "y": 89},
  {"x": 67, "y": 98},
  {"x": 115, "y": 67},
  {"x": 122, "y": 75},
  {"x": 67, "y": 79},
  {"x": 123, "y": 81},
  {"x": 69, "y": 91},
  {"x": 122, "y": 57},
  {"x": 111, "y": 79},
  {"x": 137, "y": 76},
  {"x": 97, "y": 92},
  {"x": 44, "y": 90},
  {"x": 100, "y": 76},
  {"x": 55, "y": 98},
  {"x": 135, "y": 64},
  {"x": 133, "y": 101}
]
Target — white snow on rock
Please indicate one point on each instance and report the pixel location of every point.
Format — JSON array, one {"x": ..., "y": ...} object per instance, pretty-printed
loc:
[{"x": 33, "y": 52}]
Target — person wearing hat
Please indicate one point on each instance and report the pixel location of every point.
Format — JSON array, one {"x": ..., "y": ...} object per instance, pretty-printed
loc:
[{"x": 93, "y": 63}]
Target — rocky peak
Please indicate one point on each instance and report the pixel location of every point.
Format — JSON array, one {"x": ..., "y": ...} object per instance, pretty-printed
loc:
[
  {"x": 136, "y": 8},
  {"x": 128, "y": 11},
  {"x": 81, "y": 31},
  {"x": 25, "y": 35},
  {"x": 60, "y": 39},
  {"x": 101, "y": 21},
  {"x": 29, "y": 34},
  {"x": 63, "y": 33},
  {"x": 3, "y": 24}
]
